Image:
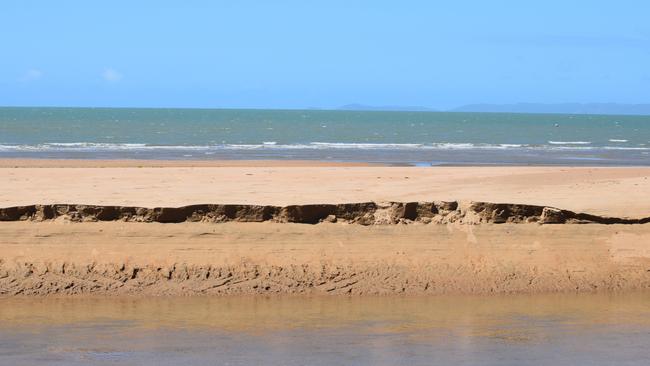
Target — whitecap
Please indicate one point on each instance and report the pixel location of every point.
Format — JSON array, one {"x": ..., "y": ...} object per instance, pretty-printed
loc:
[
  {"x": 626, "y": 148},
  {"x": 569, "y": 142},
  {"x": 349, "y": 145},
  {"x": 453, "y": 146}
]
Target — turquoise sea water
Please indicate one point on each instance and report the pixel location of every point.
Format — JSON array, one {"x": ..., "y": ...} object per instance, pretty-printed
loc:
[{"x": 393, "y": 137}]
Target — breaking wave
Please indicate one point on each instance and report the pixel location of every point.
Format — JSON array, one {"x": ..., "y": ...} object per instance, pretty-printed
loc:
[{"x": 272, "y": 145}]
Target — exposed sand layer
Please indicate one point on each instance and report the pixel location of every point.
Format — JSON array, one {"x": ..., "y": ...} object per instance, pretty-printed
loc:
[
  {"x": 615, "y": 192},
  {"x": 364, "y": 213},
  {"x": 113, "y": 258}
]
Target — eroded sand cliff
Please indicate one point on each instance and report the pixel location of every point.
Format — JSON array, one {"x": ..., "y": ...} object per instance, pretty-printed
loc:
[
  {"x": 67, "y": 255},
  {"x": 364, "y": 213}
]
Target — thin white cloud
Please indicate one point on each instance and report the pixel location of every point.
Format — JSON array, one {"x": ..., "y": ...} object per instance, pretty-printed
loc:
[
  {"x": 32, "y": 75},
  {"x": 111, "y": 75}
]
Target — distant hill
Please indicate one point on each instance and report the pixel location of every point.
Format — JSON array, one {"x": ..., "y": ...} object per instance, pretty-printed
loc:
[
  {"x": 363, "y": 107},
  {"x": 566, "y": 108},
  {"x": 562, "y": 108}
]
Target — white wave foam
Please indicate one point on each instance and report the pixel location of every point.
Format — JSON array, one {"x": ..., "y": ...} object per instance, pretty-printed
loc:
[
  {"x": 345, "y": 145},
  {"x": 453, "y": 146},
  {"x": 569, "y": 142},
  {"x": 468, "y": 146},
  {"x": 617, "y": 140},
  {"x": 626, "y": 148},
  {"x": 268, "y": 145},
  {"x": 90, "y": 146}
]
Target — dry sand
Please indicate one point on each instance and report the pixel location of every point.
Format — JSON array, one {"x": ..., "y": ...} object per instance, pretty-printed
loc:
[
  {"x": 62, "y": 257},
  {"x": 264, "y": 258},
  {"x": 622, "y": 192}
]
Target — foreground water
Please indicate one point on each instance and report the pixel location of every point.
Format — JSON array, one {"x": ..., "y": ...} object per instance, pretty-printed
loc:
[
  {"x": 388, "y": 137},
  {"x": 515, "y": 330}
]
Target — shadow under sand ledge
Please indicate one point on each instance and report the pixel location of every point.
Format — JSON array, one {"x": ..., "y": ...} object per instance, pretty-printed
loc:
[{"x": 364, "y": 213}]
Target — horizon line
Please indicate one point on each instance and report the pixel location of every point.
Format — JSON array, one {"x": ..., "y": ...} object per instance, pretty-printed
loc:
[{"x": 374, "y": 108}]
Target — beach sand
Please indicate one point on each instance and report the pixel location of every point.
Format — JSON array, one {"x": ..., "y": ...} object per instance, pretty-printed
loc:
[
  {"x": 114, "y": 258},
  {"x": 59, "y": 256},
  {"x": 623, "y": 192}
]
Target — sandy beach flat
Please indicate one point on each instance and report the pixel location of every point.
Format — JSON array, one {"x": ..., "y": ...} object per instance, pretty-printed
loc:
[{"x": 623, "y": 192}]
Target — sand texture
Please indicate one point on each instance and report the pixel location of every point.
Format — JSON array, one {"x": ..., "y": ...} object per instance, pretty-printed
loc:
[
  {"x": 116, "y": 258},
  {"x": 618, "y": 192},
  {"x": 216, "y": 230}
]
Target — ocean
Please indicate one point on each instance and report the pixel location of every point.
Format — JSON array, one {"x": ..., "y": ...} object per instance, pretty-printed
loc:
[{"x": 398, "y": 138}]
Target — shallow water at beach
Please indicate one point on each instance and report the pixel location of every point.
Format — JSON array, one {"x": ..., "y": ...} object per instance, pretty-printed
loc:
[{"x": 508, "y": 330}]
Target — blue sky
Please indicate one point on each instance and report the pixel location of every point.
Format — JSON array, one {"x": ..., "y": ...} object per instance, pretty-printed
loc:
[{"x": 295, "y": 54}]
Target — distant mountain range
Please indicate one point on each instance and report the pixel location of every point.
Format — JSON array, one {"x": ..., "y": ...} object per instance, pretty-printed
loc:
[
  {"x": 363, "y": 107},
  {"x": 563, "y": 108}
]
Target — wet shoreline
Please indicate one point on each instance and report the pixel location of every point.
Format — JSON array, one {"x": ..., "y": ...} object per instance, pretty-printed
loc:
[{"x": 392, "y": 157}]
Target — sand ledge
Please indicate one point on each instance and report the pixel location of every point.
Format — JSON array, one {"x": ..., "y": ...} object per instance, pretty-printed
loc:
[{"x": 364, "y": 213}]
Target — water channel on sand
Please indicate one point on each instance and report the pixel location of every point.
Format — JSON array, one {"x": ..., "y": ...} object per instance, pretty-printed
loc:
[{"x": 600, "y": 329}]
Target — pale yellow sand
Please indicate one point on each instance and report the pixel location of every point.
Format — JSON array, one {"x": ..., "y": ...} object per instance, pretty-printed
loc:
[{"x": 602, "y": 191}]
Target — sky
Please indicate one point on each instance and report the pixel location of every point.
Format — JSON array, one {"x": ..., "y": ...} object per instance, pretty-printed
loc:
[{"x": 322, "y": 54}]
